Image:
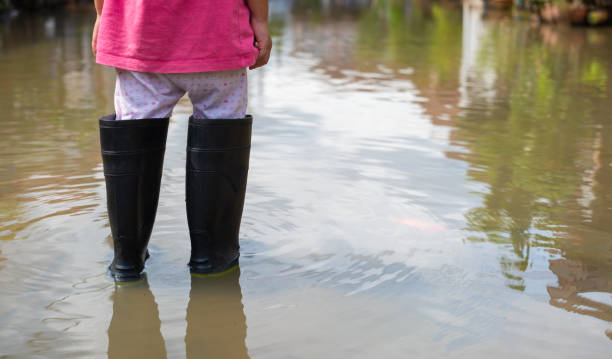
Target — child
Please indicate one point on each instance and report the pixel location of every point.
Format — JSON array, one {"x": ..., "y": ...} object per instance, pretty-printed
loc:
[{"x": 162, "y": 49}]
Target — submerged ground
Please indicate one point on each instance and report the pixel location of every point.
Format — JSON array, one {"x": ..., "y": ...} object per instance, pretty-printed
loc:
[{"x": 426, "y": 181}]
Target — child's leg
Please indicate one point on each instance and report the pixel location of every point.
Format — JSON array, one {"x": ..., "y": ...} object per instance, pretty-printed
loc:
[
  {"x": 214, "y": 95},
  {"x": 140, "y": 95}
]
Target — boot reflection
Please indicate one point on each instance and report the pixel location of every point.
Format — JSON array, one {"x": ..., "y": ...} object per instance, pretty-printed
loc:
[
  {"x": 216, "y": 326},
  {"x": 134, "y": 330}
]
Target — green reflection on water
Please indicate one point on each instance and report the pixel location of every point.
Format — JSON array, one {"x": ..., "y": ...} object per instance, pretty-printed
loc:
[
  {"x": 531, "y": 108},
  {"x": 541, "y": 143}
]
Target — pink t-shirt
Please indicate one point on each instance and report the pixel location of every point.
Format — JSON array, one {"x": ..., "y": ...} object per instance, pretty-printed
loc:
[{"x": 173, "y": 36}]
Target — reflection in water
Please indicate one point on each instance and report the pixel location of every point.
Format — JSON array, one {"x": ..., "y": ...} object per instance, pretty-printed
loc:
[
  {"x": 48, "y": 93},
  {"x": 134, "y": 331},
  {"x": 536, "y": 137},
  {"x": 585, "y": 274},
  {"x": 216, "y": 326}
]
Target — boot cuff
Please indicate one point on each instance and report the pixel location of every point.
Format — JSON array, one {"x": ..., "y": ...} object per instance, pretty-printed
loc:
[{"x": 110, "y": 121}]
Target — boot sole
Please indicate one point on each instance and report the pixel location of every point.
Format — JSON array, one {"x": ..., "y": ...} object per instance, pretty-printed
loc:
[
  {"x": 208, "y": 270},
  {"x": 129, "y": 275}
]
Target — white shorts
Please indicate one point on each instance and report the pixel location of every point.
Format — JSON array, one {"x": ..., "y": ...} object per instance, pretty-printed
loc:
[{"x": 214, "y": 95}]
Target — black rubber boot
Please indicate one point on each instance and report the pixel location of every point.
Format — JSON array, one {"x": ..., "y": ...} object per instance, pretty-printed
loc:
[
  {"x": 217, "y": 167},
  {"x": 133, "y": 156}
]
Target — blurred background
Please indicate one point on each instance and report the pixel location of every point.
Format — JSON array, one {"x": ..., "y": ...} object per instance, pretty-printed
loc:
[{"x": 428, "y": 178}]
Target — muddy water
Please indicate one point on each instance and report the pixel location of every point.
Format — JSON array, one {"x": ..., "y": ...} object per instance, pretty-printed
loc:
[{"x": 426, "y": 181}]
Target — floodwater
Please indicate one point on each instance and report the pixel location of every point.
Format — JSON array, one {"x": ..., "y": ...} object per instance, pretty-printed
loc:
[{"x": 426, "y": 181}]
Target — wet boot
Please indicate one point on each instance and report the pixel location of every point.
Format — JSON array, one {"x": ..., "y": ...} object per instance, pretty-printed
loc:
[
  {"x": 133, "y": 156},
  {"x": 217, "y": 167}
]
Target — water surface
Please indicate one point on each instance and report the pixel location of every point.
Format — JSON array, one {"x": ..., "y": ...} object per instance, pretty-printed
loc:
[{"x": 426, "y": 180}]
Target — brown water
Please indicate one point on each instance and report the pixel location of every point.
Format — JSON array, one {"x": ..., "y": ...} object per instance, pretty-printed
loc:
[{"x": 426, "y": 181}]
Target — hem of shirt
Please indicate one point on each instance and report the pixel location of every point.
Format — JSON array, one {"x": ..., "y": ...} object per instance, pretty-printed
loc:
[{"x": 177, "y": 66}]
